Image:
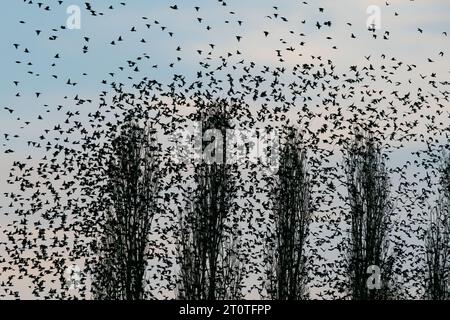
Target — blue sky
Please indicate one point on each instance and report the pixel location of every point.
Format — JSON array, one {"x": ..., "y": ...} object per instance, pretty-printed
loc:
[{"x": 102, "y": 58}]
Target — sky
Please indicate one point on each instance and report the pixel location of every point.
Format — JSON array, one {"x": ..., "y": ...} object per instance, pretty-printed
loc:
[
  {"x": 102, "y": 58},
  {"x": 35, "y": 72}
]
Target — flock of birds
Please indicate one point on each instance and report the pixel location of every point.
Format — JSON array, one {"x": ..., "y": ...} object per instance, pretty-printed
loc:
[{"x": 52, "y": 209}]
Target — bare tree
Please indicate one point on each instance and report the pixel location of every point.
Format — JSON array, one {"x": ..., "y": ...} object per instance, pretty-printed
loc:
[
  {"x": 208, "y": 249},
  {"x": 132, "y": 187},
  {"x": 437, "y": 241},
  {"x": 292, "y": 215},
  {"x": 370, "y": 211}
]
